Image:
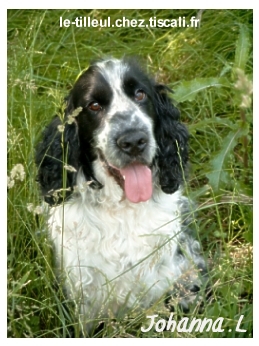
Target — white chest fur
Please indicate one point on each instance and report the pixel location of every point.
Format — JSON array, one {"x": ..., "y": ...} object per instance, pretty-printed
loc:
[{"x": 116, "y": 255}]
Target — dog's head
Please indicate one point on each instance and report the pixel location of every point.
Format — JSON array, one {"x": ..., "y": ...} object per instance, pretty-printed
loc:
[{"x": 127, "y": 121}]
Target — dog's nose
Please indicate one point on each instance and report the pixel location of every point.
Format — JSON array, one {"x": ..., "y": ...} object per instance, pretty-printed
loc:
[{"x": 133, "y": 143}]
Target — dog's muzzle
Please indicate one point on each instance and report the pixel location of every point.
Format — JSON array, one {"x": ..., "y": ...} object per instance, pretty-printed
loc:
[{"x": 132, "y": 142}]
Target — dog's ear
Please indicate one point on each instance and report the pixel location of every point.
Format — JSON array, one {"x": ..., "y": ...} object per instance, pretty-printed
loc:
[
  {"x": 172, "y": 139},
  {"x": 59, "y": 157},
  {"x": 57, "y": 160},
  {"x": 85, "y": 154}
]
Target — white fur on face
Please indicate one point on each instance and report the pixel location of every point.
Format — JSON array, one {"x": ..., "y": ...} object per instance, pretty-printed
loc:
[{"x": 113, "y": 71}]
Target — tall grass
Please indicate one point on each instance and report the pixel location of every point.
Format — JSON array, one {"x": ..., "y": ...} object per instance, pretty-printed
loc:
[{"x": 210, "y": 69}]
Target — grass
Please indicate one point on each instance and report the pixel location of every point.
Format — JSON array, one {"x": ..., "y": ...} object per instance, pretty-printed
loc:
[{"x": 210, "y": 69}]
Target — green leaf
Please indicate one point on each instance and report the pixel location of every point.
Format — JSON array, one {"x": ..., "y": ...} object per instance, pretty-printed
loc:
[
  {"x": 187, "y": 90},
  {"x": 243, "y": 45},
  {"x": 217, "y": 175}
]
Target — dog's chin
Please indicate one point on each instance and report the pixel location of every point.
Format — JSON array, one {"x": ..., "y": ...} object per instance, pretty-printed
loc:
[{"x": 135, "y": 178}]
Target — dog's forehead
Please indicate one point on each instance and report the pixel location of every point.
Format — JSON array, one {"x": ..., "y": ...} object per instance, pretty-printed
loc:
[
  {"x": 113, "y": 70},
  {"x": 115, "y": 73}
]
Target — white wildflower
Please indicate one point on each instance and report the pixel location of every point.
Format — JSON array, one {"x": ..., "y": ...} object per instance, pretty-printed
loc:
[
  {"x": 243, "y": 83},
  {"x": 76, "y": 112},
  {"x": 35, "y": 210},
  {"x": 56, "y": 194},
  {"x": 18, "y": 172},
  {"x": 71, "y": 117},
  {"x": 246, "y": 101},
  {"x": 30, "y": 207},
  {"x": 70, "y": 168},
  {"x": 245, "y": 87},
  {"x": 61, "y": 128},
  {"x": 10, "y": 182},
  {"x": 13, "y": 138}
]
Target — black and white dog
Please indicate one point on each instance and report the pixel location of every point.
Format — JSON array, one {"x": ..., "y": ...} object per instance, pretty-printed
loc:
[{"x": 121, "y": 232}]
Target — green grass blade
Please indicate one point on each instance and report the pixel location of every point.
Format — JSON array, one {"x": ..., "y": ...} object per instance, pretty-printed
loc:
[{"x": 243, "y": 46}]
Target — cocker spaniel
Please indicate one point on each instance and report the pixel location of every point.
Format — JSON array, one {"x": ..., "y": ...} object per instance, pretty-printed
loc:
[{"x": 112, "y": 172}]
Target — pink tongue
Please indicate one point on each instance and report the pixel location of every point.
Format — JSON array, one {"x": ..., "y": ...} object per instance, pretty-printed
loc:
[{"x": 138, "y": 182}]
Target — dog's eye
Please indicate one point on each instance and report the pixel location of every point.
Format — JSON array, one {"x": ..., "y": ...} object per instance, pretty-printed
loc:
[
  {"x": 95, "y": 106},
  {"x": 140, "y": 95}
]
